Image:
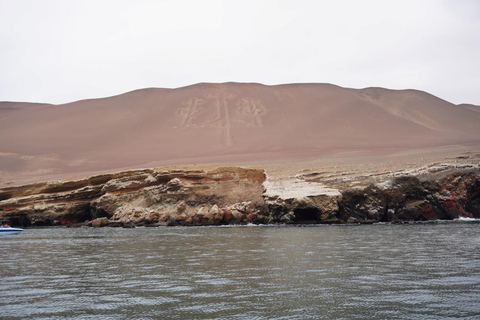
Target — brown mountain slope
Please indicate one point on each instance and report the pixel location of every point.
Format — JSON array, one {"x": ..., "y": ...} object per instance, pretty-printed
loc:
[
  {"x": 221, "y": 122},
  {"x": 470, "y": 107}
]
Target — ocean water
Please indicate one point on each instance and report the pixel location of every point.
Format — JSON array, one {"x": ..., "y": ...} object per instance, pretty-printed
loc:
[{"x": 382, "y": 271}]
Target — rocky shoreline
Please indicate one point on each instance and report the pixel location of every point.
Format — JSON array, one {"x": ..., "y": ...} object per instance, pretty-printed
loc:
[{"x": 235, "y": 195}]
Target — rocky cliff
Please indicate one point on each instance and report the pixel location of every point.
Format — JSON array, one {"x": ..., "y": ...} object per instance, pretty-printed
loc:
[
  {"x": 141, "y": 197},
  {"x": 406, "y": 198},
  {"x": 233, "y": 195}
]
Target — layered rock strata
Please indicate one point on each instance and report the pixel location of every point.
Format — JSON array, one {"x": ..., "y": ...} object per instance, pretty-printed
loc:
[
  {"x": 450, "y": 195},
  {"x": 142, "y": 197},
  {"x": 234, "y": 195}
]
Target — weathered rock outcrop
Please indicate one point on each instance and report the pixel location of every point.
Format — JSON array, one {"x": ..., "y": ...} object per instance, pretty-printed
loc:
[
  {"x": 142, "y": 197},
  {"x": 412, "y": 198},
  {"x": 311, "y": 209},
  {"x": 236, "y": 196},
  {"x": 445, "y": 195}
]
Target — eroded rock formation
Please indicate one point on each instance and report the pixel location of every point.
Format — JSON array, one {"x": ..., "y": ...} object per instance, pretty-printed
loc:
[
  {"x": 409, "y": 198},
  {"x": 142, "y": 197},
  {"x": 447, "y": 195},
  {"x": 237, "y": 196}
]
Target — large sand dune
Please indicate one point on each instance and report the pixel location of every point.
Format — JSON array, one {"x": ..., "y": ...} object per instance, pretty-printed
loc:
[{"x": 229, "y": 122}]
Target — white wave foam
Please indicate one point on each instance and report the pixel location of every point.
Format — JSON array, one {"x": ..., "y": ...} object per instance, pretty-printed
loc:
[{"x": 467, "y": 219}]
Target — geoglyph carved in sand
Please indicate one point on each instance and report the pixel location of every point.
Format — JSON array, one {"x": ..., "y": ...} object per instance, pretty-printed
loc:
[
  {"x": 224, "y": 111},
  {"x": 192, "y": 107}
]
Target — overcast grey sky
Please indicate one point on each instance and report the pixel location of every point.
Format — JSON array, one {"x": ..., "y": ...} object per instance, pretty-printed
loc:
[{"x": 59, "y": 51}]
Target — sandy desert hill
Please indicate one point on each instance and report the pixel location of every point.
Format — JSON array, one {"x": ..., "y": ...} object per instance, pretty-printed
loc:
[{"x": 225, "y": 122}]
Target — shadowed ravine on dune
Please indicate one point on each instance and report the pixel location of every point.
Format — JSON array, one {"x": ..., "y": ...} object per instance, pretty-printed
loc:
[{"x": 224, "y": 122}]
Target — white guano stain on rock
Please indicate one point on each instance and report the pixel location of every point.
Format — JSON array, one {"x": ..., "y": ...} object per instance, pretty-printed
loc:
[{"x": 296, "y": 189}]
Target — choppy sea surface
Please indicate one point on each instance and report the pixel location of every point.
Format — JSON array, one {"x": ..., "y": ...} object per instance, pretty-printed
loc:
[{"x": 408, "y": 271}]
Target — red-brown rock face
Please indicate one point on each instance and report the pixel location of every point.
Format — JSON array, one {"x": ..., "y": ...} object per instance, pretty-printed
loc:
[{"x": 456, "y": 194}]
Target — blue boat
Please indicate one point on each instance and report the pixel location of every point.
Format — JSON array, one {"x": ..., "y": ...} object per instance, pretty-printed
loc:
[{"x": 7, "y": 230}]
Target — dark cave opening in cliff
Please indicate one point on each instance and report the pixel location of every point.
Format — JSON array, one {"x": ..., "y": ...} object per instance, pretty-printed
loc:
[
  {"x": 306, "y": 215},
  {"x": 20, "y": 221},
  {"x": 44, "y": 223}
]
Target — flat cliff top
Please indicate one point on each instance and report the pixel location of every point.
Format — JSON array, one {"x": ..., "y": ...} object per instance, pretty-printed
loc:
[
  {"x": 344, "y": 171},
  {"x": 226, "y": 123}
]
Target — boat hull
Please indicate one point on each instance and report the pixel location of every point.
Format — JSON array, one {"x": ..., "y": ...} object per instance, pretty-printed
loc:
[{"x": 9, "y": 231}]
